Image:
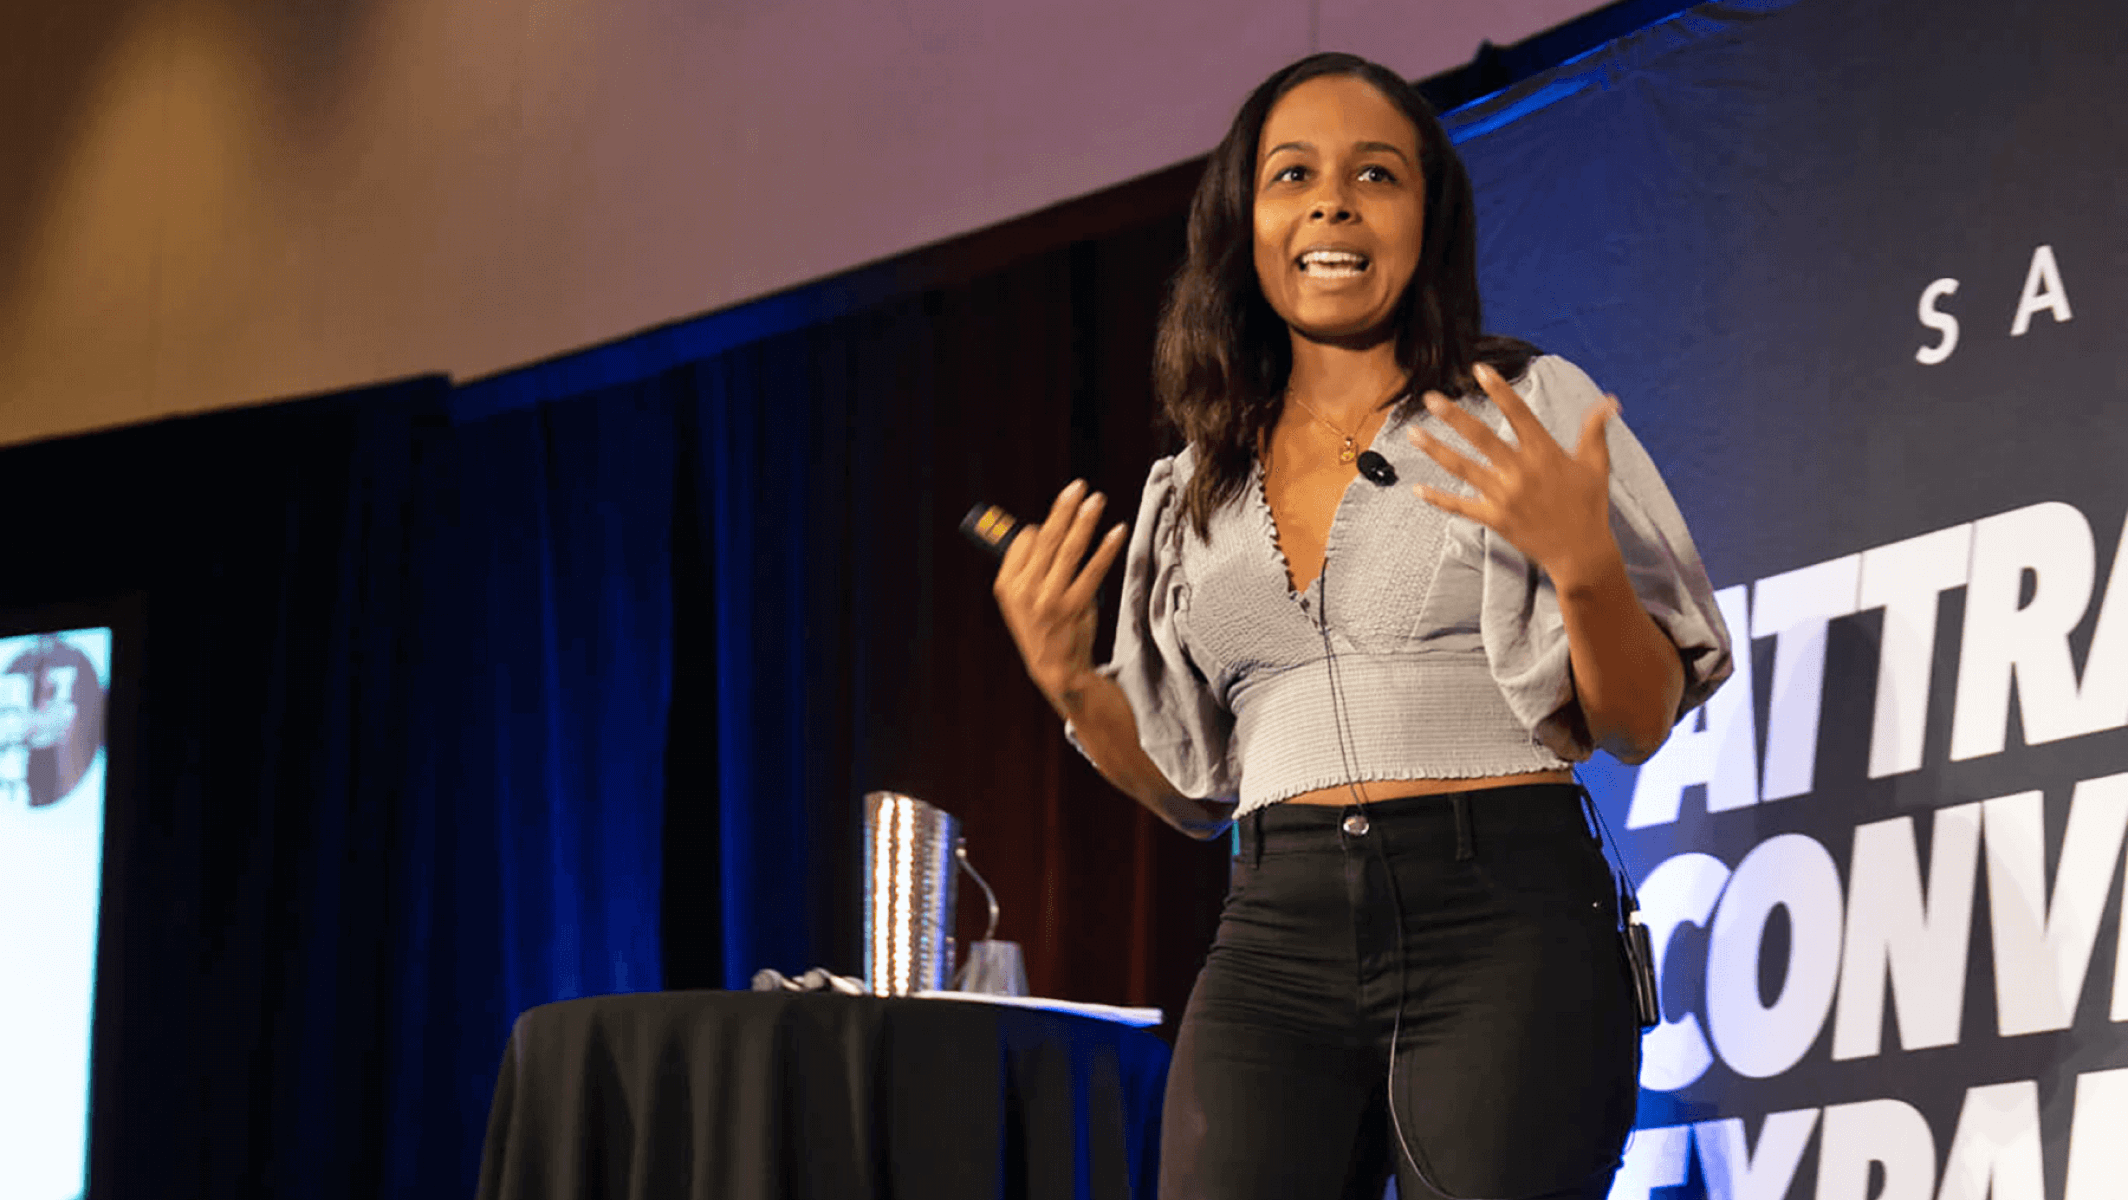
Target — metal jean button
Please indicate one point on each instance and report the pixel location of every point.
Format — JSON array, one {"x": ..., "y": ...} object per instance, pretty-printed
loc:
[{"x": 1356, "y": 825}]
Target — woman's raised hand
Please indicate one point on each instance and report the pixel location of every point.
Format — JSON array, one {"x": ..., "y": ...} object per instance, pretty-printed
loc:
[
  {"x": 1047, "y": 594},
  {"x": 1552, "y": 506}
]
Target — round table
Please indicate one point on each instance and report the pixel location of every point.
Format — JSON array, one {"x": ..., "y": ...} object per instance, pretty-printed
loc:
[{"x": 759, "y": 1095}]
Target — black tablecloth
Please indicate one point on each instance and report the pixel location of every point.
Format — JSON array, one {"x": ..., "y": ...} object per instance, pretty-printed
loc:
[{"x": 748, "y": 1096}]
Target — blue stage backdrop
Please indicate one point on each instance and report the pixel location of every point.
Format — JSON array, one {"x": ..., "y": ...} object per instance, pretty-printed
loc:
[{"x": 1859, "y": 273}]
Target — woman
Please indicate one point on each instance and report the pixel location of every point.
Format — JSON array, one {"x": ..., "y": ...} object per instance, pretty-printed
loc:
[{"x": 1418, "y": 967}]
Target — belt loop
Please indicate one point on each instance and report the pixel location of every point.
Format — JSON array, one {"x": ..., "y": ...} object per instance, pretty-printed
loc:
[
  {"x": 1461, "y": 802},
  {"x": 1255, "y": 837}
]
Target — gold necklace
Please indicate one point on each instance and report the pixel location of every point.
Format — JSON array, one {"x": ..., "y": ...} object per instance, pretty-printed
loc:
[{"x": 1350, "y": 450}]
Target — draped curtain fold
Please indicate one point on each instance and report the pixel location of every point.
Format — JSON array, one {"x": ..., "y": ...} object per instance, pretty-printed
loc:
[
  {"x": 267, "y": 663},
  {"x": 532, "y": 829}
]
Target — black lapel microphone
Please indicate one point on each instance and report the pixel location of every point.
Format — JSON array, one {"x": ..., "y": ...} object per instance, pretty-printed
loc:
[{"x": 1377, "y": 469}]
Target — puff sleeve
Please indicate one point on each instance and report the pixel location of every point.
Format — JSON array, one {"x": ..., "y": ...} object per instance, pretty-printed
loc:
[
  {"x": 1182, "y": 726},
  {"x": 1523, "y": 631}
]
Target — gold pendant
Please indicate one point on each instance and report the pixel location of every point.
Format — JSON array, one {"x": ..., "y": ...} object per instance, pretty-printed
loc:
[{"x": 1348, "y": 453}]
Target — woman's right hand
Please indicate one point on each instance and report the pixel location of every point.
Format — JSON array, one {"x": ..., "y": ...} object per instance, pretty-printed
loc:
[{"x": 1047, "y": 596}]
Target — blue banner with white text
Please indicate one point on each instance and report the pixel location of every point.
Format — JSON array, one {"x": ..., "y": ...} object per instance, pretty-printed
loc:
[{"x": 1858, "y": 271}]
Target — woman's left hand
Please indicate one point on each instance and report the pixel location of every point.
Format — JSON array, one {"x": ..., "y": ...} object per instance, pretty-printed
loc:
[{"x": 1552, "y": 506}]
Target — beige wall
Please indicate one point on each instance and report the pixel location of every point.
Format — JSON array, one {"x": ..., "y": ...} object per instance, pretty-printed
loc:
[{"x": 214, "y": 202}]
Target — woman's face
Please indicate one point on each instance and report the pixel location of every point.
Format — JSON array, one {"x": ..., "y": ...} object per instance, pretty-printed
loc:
[{"x": 1340, "y": 208}]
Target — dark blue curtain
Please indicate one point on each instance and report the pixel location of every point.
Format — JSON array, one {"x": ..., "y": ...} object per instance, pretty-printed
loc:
[
  {"x": 531, "y": 845},
  {"x": 267, "y": 666},
  {"x": 391, "y": 771}
]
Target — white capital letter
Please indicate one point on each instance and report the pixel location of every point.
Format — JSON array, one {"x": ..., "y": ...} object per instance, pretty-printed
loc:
[
  {"x": 1678, "y": 891},
  {"x": 1942, "y": 322},
  {"x": 1891, "y": 1132},
  {"x": 1789, "y": 871},
  {"x": 2043, "y": 943},
  {"x": 1797, "y": 605},
  {"x": 1721, "y": 747},
  {"x": 2001, "y": 639},
  {"x": 1894, "y": 932},
  {"x": 2043, "y": 289},
  {"x": 2120, "y": 958},
  {"x": 1733, "y": 1173},
  {"x": 2098, "y": 1154},
  {"x": 1995, "y": 1152},
  {"x": 1905, "y": 579},
  {"x": 2102, "y": 694}
]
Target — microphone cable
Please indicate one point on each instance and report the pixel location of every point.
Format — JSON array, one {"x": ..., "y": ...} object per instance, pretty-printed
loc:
[
  {"x": 1633, "y": 931},
  {"x": 1348, "y": 758}
]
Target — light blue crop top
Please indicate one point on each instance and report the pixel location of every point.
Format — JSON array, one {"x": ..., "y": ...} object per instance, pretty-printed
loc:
[{"x": 1450, "y": 652}]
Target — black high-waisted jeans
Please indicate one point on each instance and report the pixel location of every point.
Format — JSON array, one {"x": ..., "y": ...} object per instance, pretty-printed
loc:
[{"x": 1517, "y": 1065}]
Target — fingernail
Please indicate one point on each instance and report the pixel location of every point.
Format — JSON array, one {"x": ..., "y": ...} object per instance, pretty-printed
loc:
[
  {"x": 1117, "y": 532},
  {"x": 1092, "y": 502},
  {"x": 1484, "y": 372},
  {"x": 1435, "y": 402},
  {"x": 1074, "y": 487}
]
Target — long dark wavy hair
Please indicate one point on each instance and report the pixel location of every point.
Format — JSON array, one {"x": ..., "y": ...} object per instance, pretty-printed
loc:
[{"x": 1222, "y": 358}]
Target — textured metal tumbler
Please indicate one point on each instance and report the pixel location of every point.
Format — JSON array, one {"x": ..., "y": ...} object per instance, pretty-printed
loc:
[{"x": 908, "y": 894}]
